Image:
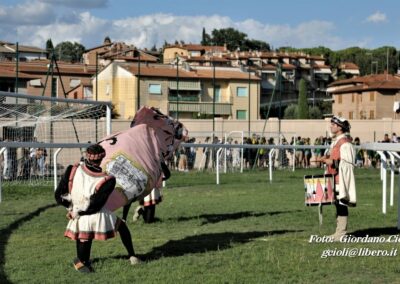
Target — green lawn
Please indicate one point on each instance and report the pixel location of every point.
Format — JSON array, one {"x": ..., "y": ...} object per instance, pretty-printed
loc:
[{"x": 246, "y": 230}]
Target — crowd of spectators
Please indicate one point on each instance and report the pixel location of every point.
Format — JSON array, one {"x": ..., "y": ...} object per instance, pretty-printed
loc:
[{"x": 204, "y": 158}]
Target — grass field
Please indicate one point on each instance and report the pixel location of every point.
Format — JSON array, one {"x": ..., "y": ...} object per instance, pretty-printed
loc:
[{"x": 246, "y": 230}]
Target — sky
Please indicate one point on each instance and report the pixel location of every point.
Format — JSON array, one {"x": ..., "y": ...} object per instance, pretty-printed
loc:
[{"x": 336, "y": 24}]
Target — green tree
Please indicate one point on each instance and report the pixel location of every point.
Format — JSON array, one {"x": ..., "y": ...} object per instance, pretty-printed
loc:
[
  {"x": 302, "y": 102},
  {"x": 69, "y": 52},
  {"x": 315, "y": 112},
  {"x": 368, "y": 60},
  {"x": 235, "y": 39},
  {"x": 205, "y": 38},
  {"x": 49, "y": 47},
  {"x": 256, "y": 45},
  {"x": 291, "y": 112}
]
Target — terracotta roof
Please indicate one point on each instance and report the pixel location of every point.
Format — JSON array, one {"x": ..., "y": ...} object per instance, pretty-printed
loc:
[
  {"x": 319, "y": 66},
  {"x": 128, "y": 54},
  {"x": 41, "y": 66},
  {"x": 268, "y": 67},
  {"x": 369, "y": 79},
  {"x": 225, "y": 74},
  {"x": 288, "y": 66},
  {"x": 21, "y": 48},
  {"x": 205, "y": 59},
  {"x": 367, "y": 83},
  {"x": 267, "y": 55},
  {"x": 160, "y": 71},
  {"x": 199, "y": 47},
  {"x": 6, "y": 73},
  {"x": 349, "y": 65},
  {"x": 100, "y": 46}
]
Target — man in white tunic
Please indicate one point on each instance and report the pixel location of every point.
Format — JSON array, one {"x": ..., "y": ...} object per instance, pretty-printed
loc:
[
  {"x": 84, "y": 190},
  {"x": 340, "y": 163}
]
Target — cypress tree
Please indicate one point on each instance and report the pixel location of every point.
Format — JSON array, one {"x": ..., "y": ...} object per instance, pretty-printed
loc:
[{"x": 302, "y": 102}]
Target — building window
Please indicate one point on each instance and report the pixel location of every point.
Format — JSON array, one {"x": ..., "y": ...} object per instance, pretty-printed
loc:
[
  {"x": 241, "y": 91},
  {"x": 155, "y": 89},
  {"x": 352, "y": 98},
  {"x": 217, "y": 94},
  {"x": 241, "y": 114},
  {"x": 350, "y": 115},
  {"x": 371, "y": 97},
  {"x": 371, "y": 114},
  {"x": 339, "y": 99}
]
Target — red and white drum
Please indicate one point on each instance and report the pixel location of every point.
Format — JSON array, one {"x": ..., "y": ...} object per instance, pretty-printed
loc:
[{"x": 319, "y": 189}]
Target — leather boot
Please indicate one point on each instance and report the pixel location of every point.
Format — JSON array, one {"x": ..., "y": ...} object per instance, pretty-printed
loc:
[{"x": 341, "y": 228}]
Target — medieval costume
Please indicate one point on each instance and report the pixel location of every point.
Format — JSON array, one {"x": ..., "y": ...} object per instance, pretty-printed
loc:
[
  {"x": 340, "y": 163},
  {"x": 84, "y": 190}
]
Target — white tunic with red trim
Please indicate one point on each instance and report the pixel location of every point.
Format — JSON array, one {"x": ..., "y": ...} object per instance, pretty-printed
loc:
[{"x": 99, "y": 226}]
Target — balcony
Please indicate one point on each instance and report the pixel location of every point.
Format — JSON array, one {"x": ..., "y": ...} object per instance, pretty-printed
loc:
[
  {"x": 201, "y": 107},
  {"x": 183, "y": 98}
]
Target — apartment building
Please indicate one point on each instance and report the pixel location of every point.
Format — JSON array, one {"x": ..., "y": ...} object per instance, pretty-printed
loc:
[
  {"x": 109, "y": 51},
  {"x": 180, "y": 90},
  {"x": 280, "y": 72},
  {"x": 40, "y": 77},
  {"x": 192, "y": 52},
  {"x": 9, "y": 51},
  {"x": 366, "y": 97}
]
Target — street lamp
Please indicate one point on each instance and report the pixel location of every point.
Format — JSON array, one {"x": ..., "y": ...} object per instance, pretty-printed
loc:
[
  {"x": 177, "y": 87},
  {"x": 97, "y": 75},
  {"x": 249, "y": 63},
  {"x": 249, "y": 102},
  {"x": 16, "y": 67},
  {"x": 97, "y": 88},
  {"x": 138, "y": 81}
]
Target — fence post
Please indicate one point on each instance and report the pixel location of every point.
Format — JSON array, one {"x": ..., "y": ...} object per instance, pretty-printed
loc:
[
  {"x": 383, "y": 177},
  {"x": 55, "y": 167},
  {"x": 1, "y": 175},
  {"x": 392, "y": 163},
  {"x": 270, "y": 163},
  {"x": 217, "y": 164}
]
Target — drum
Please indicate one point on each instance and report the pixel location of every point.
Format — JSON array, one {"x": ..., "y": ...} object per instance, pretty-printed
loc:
[{"x": 319, "y": 189}]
